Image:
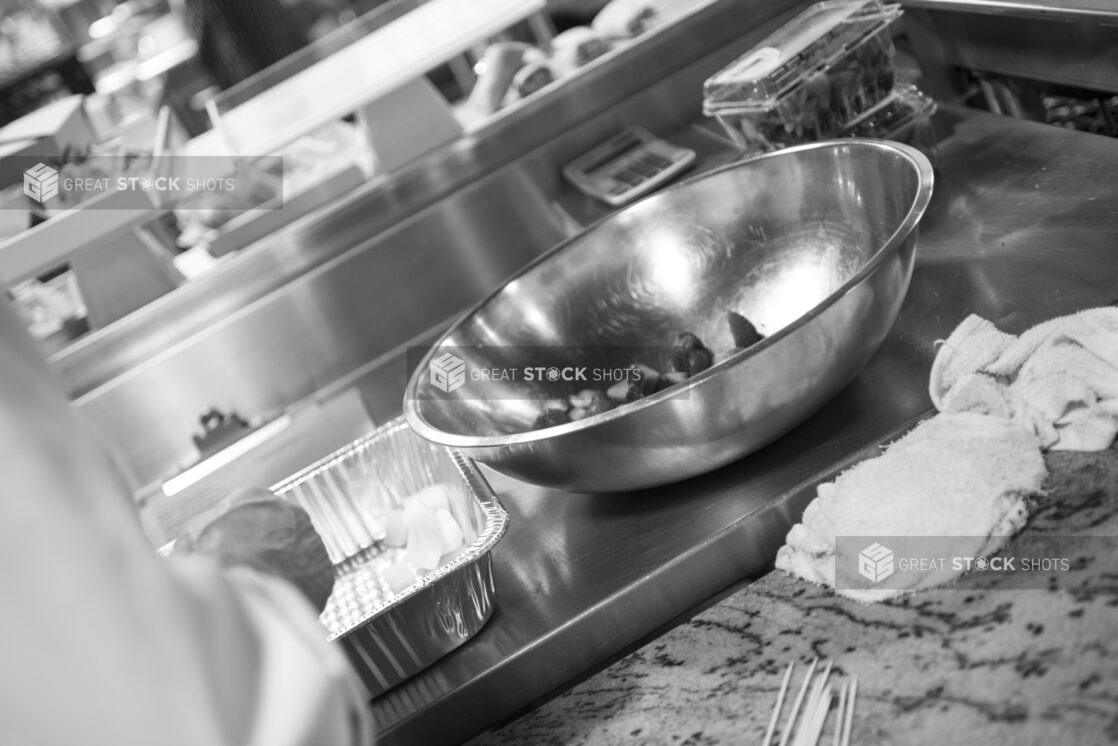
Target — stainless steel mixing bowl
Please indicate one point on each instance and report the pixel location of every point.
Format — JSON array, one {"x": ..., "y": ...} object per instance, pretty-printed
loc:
[{"x": 813, "y": 244}]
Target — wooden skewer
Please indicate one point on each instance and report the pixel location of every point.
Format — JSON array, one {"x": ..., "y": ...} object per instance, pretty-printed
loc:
[
  {"x": 850, "y": 711},
  {"x": 811, "y": 708},
  {"x": 816, "y": 693},
  {"x": 822, "y": 709},
  {"x": 779, "y": 705},
  {"x": 821, "y": 682},
  {"x": 805, "y": 734},
  {"x": 840, "y": 716},
  {"x": 796, "y": 705}
]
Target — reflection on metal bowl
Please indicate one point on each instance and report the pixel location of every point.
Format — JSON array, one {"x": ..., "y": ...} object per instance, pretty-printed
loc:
[{"x": 814, "y": 244}]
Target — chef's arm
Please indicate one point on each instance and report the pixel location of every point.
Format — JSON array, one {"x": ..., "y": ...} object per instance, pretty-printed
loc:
[{"x": 102, "y": 641}]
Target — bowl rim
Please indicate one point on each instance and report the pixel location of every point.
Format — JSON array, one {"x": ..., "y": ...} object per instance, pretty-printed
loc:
[{"x": 926, "y": 182}]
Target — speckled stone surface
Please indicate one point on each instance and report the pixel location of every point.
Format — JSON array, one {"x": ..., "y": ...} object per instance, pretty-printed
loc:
[{"x": 968, "y": 664}]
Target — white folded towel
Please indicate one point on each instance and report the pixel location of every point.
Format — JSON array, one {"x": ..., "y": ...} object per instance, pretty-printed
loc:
[
  {"x": 1059, "y": 378},
  {"x": 955, "y": 475}
]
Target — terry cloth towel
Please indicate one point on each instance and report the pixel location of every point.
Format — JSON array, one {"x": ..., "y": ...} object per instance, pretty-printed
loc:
[
  {"x": 1059, "y": 378},
  {"x": 955, "y": 475}
]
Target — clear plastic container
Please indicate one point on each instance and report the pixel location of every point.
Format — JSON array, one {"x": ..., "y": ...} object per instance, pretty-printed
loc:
[
  {"x": 904, "y": 116},
  {"x": 804, "y": 82}
]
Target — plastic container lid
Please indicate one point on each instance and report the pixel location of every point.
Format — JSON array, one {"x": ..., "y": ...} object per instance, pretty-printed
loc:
[
  {"x": 811, "y": 41},
  {"x": 902, "y": 108}
]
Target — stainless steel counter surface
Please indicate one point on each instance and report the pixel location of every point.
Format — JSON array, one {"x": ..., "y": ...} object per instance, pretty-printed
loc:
[{"x": 1023, "y": 226}]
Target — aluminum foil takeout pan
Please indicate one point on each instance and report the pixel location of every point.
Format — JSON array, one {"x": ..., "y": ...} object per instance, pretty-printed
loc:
[{"x": 391, "y": 635}]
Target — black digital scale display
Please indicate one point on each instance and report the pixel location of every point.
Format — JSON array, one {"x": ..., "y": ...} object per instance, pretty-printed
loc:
[{"x": 627, "y": 166}]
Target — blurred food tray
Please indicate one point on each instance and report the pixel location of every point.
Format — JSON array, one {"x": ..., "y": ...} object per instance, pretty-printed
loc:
[{"x": 256, "y": 224}]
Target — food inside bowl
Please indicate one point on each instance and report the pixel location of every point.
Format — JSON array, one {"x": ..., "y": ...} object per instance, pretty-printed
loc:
[
  {"x": 743, "y": 331},
  {"x": 690, "y": 356}
]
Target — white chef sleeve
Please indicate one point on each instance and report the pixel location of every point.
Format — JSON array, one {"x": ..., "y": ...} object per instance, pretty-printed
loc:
[
  {"x": 103, "y": 643},
  {"x": 307, "y": 694}
]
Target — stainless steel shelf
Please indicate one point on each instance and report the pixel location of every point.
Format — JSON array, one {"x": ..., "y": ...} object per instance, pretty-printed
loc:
[
  {"x": 352, "y": 286},
  {"x": 1097, "y": 10}
]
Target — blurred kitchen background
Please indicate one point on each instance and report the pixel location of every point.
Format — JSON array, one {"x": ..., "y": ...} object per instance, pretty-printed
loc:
[{"x": 424, "y": 144}]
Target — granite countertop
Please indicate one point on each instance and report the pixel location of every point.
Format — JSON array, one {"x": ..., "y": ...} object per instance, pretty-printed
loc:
[{"x": 974, "y": 663}]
